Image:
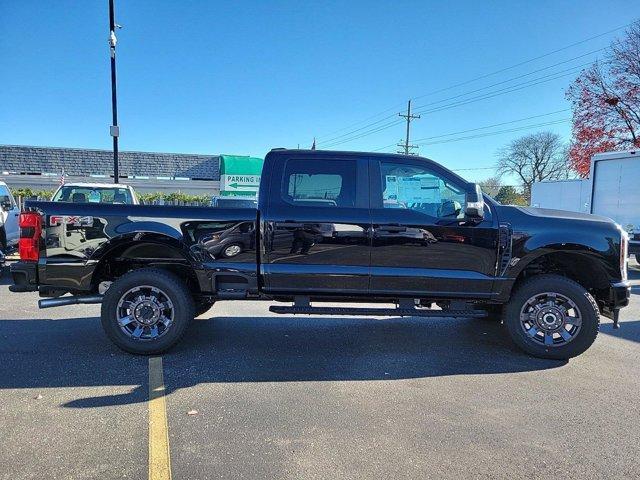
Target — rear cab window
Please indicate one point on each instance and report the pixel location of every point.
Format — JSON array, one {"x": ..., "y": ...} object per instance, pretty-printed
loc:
[
  {"x": 81, "y": 194},
  {"x": 324, "y": 182}
]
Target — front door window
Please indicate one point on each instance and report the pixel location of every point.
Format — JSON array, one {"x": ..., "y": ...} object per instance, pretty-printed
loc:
[{"x": 418, "y": 188}]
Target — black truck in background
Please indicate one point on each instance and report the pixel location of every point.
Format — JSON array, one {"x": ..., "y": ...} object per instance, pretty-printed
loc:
[{"x": 332, "y": 227}]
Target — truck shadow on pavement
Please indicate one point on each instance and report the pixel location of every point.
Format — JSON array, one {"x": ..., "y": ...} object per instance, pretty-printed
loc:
[
  {"x": 628, "y": 330},
  {"x": 75, "y": 353}
]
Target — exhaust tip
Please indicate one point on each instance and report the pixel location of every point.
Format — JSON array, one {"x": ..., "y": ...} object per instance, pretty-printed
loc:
[{"x": 71, "y": 300}]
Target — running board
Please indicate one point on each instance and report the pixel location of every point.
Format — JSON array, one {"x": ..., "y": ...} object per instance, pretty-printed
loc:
[{"x": 377, "y": 312}]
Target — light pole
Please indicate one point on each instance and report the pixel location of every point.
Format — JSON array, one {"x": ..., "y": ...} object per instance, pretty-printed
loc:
[{"x": 114, "y": 130}]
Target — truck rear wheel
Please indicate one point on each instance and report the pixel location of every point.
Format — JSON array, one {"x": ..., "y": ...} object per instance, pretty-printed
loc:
[
  {"x": 146, "y": 311},
  {"x": 551, "y": 316}
]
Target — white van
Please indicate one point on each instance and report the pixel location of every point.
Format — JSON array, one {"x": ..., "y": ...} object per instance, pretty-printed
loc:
[{"x": 9, "y": 212}]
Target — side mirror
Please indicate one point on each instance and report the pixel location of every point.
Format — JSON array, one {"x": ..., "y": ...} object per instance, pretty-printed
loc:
[{"x": 474, "y": 203}]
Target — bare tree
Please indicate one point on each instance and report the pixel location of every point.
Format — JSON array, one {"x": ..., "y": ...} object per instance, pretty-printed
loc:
[
  {"x": 533, "y": 158},
  {"x": 491, "y": 186}
]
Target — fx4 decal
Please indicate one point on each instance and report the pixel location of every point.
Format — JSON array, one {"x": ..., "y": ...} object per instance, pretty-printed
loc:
[{"x": 56, "y": 220}]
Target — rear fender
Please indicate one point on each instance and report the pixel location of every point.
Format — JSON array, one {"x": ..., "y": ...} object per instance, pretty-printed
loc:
[{"x": 142, "y": 248}]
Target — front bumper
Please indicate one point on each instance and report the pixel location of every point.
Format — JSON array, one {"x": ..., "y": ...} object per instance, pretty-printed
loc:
[
  {"x": 619, "y": 295},
  {"x": 25, "y": 277}
]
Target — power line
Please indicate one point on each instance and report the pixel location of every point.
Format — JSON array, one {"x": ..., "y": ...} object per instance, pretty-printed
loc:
[
  {"x": 331, "y": 140},
  {"x": 476, "y": 79},
  {"x": 348, "y": 137},
  {"x": 499, "y": 132},
  {"x": 494, "y": 125},
  {"x": 365, "y": 134},
  {"x": 468, "y": 169},
  {"x": 502, "y": 91},
  {"x": 487, "y": 134},
  {"x": 518, "y": 77},
  {"x": 362, "y": 121},
  {"x": 384, "y": 148},
  {"x": 522, "y": 63},
  {"x": 498, "y": 92}
]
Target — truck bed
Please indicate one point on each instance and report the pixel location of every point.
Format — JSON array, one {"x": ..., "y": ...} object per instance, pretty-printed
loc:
[{"x": 81, "y": 238}]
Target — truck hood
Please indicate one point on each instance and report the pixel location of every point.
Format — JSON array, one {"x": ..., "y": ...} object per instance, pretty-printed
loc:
[{"x": 563, "y": 214}]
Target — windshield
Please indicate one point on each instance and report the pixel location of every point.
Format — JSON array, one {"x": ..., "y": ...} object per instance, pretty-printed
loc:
[
  {"x": 234, "y": 203},
  {"x": 93, "y": 195}
]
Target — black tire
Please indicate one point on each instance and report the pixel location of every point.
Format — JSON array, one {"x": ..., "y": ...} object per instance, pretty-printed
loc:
[
  {"x": 587, "y": 310},
  {"x": 3, "y": 239},
  {"x": 203, "y": 306},
  {"x": 171, "y": 287}
]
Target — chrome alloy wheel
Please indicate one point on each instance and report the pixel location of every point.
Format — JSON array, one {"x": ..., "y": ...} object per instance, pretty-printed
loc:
[
  {"x": 232, "y": 250},
  {"x": 550, "y": 319},
  {"x": 145, "y": 313}
]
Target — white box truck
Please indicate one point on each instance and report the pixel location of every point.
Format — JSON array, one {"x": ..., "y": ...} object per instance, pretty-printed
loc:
[
  {"x": 612, "y": 190},
  {"x": 572, "y": 195}
]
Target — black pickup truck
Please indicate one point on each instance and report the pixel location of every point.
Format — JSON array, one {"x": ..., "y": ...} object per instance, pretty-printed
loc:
[{"x": 333, "y": 227}]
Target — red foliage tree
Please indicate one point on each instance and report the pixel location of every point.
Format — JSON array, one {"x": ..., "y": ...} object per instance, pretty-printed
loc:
[{"x": 605, "y": 99}]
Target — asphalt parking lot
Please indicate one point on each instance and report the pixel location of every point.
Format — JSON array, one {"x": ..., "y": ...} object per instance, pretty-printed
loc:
[{"x": 249, "y": 394}]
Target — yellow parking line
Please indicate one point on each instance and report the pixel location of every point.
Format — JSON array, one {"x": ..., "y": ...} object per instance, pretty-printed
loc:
[{"x": 159, "y": 457}]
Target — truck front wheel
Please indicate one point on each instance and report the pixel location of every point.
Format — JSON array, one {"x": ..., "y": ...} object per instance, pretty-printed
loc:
[
  {"x": 551, "y": 316},
  {"x": 146, "y": 311}
]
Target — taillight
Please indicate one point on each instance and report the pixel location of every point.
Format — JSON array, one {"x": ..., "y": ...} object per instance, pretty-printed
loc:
[{"x": 30, "y": 232}]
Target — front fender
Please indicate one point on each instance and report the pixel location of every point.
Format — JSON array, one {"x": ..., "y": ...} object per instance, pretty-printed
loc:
[{"x": 596, "y": 248}]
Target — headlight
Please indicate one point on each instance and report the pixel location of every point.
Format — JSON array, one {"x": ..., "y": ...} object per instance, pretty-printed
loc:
[{"x": 624, "y": 254}]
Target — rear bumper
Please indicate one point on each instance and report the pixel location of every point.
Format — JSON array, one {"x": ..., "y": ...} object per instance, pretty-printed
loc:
[{"x": 25, "y": 277}]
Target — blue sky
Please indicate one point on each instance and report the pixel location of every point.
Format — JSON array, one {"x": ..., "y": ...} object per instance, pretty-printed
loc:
[{"x": 244, "y": 77}]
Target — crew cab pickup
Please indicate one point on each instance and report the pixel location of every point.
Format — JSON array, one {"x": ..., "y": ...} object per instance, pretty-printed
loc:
[{"x": 340, "y": 227}]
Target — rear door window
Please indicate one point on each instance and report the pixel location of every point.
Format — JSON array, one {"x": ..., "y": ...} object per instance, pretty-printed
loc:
[{"x": 327, "y": 183}]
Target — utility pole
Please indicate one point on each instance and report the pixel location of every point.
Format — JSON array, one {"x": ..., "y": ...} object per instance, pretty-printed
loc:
[
  {"x": 405, "y": 146},
  {"x": 114, "y": 130}
]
